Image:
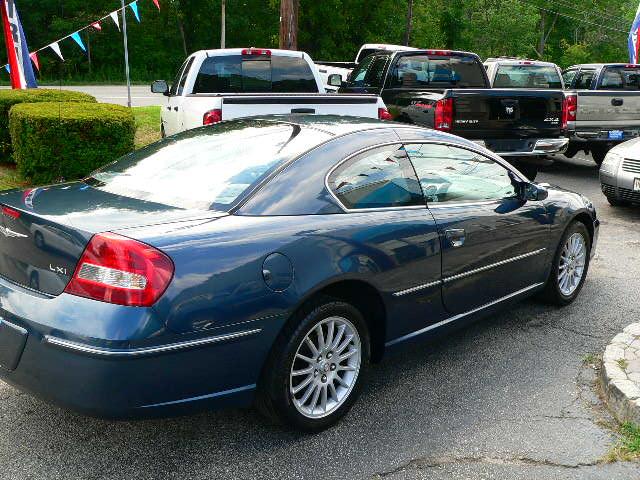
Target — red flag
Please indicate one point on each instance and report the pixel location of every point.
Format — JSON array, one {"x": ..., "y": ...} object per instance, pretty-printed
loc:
[
  {"x": 157, "y": 3},
  {"x": 34, "y": 59},
  {"x": 96, "y": 25}
]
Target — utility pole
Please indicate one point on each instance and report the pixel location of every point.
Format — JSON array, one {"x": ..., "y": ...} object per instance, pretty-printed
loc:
[
  {"x": 223, "y": 26},
  {"x": 289, "y": 24},
  {"x": 126, "y": 53},
  {"x": 407, "y": 32}
]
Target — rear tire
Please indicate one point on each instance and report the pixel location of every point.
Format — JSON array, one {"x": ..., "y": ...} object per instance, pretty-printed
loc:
[
  {"x": 571, "y": 151},
  {"x": 570, "y": 266},
  {"x": 308, "y": 383}
]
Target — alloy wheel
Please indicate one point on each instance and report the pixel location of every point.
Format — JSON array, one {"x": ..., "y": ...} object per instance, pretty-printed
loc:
[{"x": 572, "y": 263}]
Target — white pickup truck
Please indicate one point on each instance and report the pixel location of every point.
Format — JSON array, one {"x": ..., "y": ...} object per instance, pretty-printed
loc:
[
  {"x": 334, "y": 73},
  {"x": 216, "y": 85}
]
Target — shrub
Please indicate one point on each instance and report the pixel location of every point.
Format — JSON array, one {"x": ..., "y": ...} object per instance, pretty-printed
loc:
[
  {"x": 9, "y": 98},
  {"x": 56, "y": 141}
]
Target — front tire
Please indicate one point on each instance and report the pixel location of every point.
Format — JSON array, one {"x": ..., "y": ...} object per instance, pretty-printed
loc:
[
  {"x": 570, "y": 266},
  {"x": 317, "y": 367},
  {"x": 598, "y": 154}
]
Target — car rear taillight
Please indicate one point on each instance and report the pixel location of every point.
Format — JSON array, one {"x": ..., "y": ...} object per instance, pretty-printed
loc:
[
  {"x": 444, "y": 114},
  {"x": 119, "y": 270},
  {"x": 569, "y": 109},
  {"x": 383, "y": 114},
  {"x": 256, "y": 51},
  {"x": 439, "y": 53},
  {"x": 10, "y": 212},
  {"x": 212, "y": 116}
]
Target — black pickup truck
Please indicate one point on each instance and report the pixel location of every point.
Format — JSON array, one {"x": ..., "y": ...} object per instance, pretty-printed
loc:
[{"x": 450, "y": 91}]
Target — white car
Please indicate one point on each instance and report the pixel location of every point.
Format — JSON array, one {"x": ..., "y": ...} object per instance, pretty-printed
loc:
[
  {"x": 216, "y": 85},
  {"x": 334, "y": 73}
]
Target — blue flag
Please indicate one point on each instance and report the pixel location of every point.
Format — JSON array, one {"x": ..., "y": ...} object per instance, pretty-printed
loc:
[
  {"x": 634, "y": 39},
  {"x": 134, "y": 7},
  {"x": 19, "y": 67},
  {"x": 78, "y": 40}
]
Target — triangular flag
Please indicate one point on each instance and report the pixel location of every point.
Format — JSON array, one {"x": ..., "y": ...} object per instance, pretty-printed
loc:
[
  {"x": 134, "y": 7},
  {"x": 157, "y": 3},
  {"x": 35, "y": 60},
  {"x": 96, "y": 25},
  {"x": 7, "y": 68},
  {"x": 76, "y": 37},
  {"x": 114, "y": 16},
  {"x": 56, "y": 48}
]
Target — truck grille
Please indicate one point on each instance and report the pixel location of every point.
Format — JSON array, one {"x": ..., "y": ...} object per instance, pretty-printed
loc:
[
  {"x": 629, "y": 195},
  {"x": 631, "y": 165}
]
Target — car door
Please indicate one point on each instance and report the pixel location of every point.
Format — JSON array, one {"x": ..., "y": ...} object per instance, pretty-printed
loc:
[
  {"x": 494, "y": 244},
  {"x": 388, "y": 221},
  {"x": 172, "y": 117}
]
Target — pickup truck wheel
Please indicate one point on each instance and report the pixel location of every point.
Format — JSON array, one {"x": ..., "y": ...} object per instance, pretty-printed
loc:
[
  {"x": 162, "y": 132},
  {"x": 571, "y": 151},
  {"x": 317, "y": 366},
  {"x": 598, "y": 154}
]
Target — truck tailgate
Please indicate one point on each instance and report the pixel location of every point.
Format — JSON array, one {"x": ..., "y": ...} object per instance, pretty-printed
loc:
[
  {"x": 607, "y": 110},
  {"x": 237, "y": 106},
  {"x": 507, "y": 113}
]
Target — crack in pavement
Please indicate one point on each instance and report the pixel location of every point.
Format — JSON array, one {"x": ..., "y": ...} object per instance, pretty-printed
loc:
[{"x": 425, "y": 463}]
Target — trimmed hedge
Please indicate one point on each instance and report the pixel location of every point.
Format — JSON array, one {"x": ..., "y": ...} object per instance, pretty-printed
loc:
[
  {"x": 65, "y": 141},
  {"x": 9, "y": 98}
]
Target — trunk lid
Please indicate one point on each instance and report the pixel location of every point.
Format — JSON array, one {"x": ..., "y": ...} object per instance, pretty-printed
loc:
[
  {"x": 43, "y": 231},
  {"x": 508, "y": 114}
]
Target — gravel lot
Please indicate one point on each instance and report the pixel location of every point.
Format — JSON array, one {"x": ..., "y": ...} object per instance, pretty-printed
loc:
[{"x": 508, "y": 397}]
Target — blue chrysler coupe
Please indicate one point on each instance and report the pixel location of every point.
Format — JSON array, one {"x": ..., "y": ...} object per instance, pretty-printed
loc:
[{"x": 268, "y": 262}]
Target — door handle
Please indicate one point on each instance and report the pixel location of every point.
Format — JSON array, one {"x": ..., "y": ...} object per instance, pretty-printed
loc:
[
  {"x": 303, "y": 110},
  {"x": 456, "y": 237},
  {"x": 617, "y": 102}
]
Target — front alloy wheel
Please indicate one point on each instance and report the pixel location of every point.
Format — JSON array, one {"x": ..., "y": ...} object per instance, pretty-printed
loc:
[{"x": 325, "y": 367}]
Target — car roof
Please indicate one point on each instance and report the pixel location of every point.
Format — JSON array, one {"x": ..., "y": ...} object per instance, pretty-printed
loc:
[{"x": 597, "y": 65}]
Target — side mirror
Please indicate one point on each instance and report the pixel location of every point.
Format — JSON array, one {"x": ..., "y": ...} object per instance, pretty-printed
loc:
[
  {"x": 335, "y": 80},
  {"x": 534, "y": 192},
  {"x": 160, "y": 86}
]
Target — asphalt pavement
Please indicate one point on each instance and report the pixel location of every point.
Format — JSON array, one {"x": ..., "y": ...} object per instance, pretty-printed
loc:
[
  {"x": 509, "y": 397},
  {"x": 141, "y": 95}
]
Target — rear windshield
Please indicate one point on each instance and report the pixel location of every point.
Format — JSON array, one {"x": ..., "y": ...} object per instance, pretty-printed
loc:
[
  {"x": 208, "y": 168},
  {"x": 620, "y": 78},
  {"x": 527, "y": 76},
  {"x": 255, "y": 74},
  {"x": 437, "y": 71}
]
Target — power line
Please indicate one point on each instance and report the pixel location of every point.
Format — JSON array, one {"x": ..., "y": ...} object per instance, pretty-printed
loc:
[
  {"x": 591, "y": 11},
  {"x": 574, "y": 18}
]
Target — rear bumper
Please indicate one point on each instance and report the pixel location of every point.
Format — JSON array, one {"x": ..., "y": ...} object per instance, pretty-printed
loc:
[
  {"x": 529, "y": 147},
  {"x": 163, "y": 376},
  {"x": 599, "y": 136}
]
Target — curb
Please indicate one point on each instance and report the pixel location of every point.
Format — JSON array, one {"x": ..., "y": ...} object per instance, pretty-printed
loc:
[{"x": 620, "y": 374}]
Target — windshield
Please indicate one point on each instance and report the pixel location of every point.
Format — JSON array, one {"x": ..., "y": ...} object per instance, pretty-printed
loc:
[
  {"x": 207, "y": 168},
  {"x": 255, "y": 74},
  {"x": 527, "y": 76},
  {"x": 438, "y": 71}
]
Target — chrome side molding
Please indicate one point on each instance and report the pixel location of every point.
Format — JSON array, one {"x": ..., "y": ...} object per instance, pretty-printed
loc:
[
  {"x": 462, "y": 315},
  {"x": 143, "y": 351}
]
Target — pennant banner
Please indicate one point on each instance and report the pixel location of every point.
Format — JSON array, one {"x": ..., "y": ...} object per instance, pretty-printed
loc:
[
  {"x": 134, "y": 7},
  {"x": 76, "y": 37},
  {"x": 8, "y": 69},
  {"x": 97, "y": 26},
  {"x": 157, "y": 3},
  {"x": 114, "y": 16},
  {"x": 20, "y": 68},
  {"x": 56, "y": 48},
  {"x": 35, "y": 60},
  {"x": 634, "y": 39}
]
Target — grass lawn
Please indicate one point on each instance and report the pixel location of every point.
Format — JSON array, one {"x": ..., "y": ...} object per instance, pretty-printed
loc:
[
  {"x": 147, "y": 125},
  {"x": 147, "y": 131}
]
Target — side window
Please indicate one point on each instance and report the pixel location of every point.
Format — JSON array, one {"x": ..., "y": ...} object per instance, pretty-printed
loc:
[
  {"x": 379, "y": 178},
  {"x": 568, "y": 77},
  {"x": 452, "y": 174},
  {"x": 360, "y": 72},
  {"x": 584, "y": 79},
  {"x": 185, "y": 75},
  {"x": 374, "y": 78}
]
